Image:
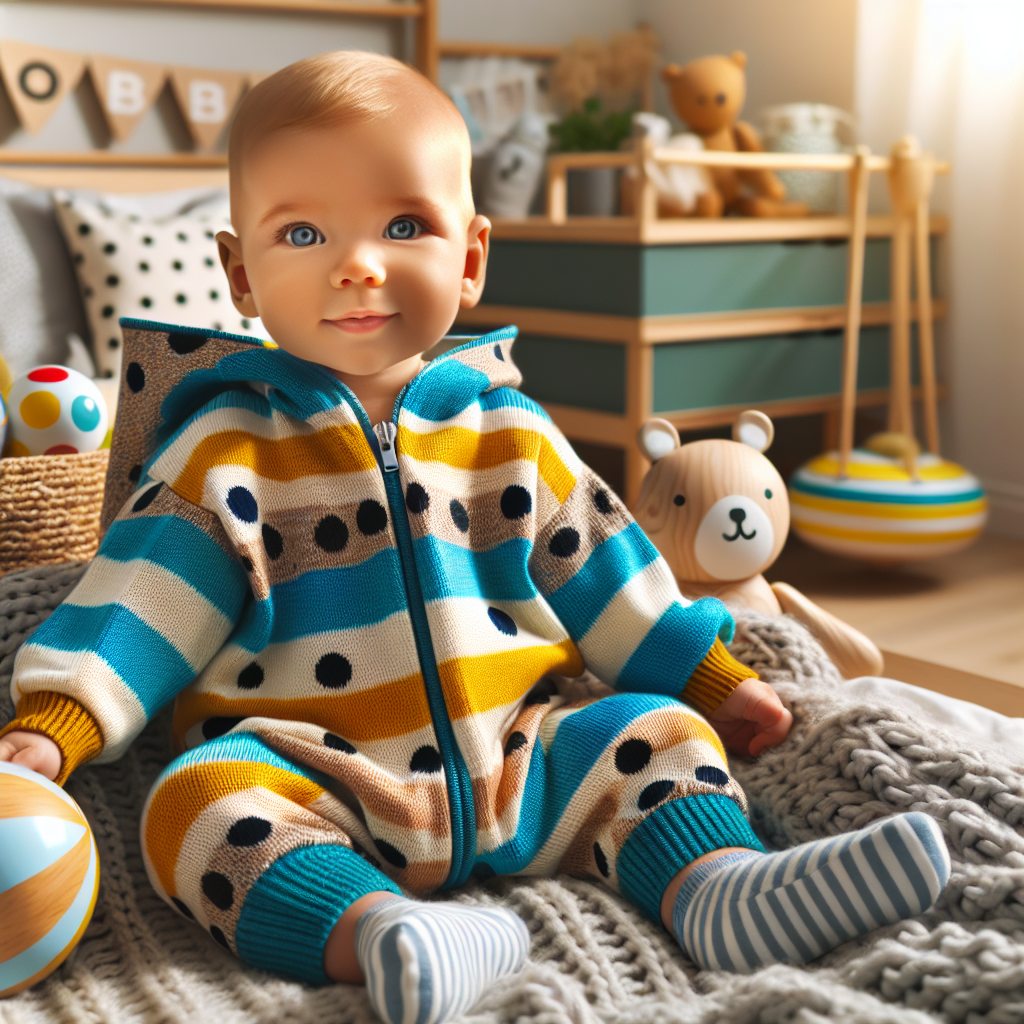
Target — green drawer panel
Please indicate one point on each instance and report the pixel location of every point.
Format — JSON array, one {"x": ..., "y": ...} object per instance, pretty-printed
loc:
[
  {"x": 567, "y": 371},
  {"x": 656, "y": 280},
  {"x": 698, "y": 375}
]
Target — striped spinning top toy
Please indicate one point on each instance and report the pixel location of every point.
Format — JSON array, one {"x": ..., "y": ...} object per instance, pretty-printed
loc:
[
  {"x": 878, "y": 512},
  {"x": 49, "y": 877}
]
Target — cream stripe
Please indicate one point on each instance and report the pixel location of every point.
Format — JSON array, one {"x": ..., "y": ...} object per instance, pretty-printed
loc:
[
  {"x": 91, "y": 681},
  {"x": 469, "y": 482},
  {"x": 159, "y": 597},
  {"x": 483, "y": 421},
  {"x": 463, "y": 626},
  {"x": 887, "y": 526}
]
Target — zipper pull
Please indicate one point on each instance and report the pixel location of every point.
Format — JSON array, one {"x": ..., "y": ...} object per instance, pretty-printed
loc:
[{"x": 386, "y": 433}]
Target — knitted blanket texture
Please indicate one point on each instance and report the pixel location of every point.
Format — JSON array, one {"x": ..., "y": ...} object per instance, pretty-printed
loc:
[{"x": 594, "y": 959}]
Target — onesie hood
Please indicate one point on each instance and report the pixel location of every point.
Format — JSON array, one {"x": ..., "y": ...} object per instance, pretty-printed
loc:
[{"x": 170, "y": 373}]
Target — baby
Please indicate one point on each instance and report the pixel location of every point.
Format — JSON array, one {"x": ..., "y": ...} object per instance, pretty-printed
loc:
[{"x": 356, "y": 571}]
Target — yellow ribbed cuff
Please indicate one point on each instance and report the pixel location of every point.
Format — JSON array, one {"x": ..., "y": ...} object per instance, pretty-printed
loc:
[
  {"x": 65, "y": 722},
  {"x": 714, "y": 679}
]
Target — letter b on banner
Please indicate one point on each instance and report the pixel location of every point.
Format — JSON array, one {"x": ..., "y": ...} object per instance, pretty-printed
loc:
[
  {"x": 126, "y": 93},
  {"x": 206, "y": 102},
  {"x": 207, "y": 99},
  {"x": 127, "y": 89}
]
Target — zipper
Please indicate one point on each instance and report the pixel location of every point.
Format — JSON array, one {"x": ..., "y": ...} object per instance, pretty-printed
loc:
[{"x": 460, "y": 790}]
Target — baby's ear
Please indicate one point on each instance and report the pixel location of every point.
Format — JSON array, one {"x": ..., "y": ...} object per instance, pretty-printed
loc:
[
  {"x": 230, "y": 249},
  {"x": 478, "y": 241}
]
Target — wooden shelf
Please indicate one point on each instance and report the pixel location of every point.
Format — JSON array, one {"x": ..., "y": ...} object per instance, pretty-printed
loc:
[
  {"x": 385, "y": 9},
  {"x": 106, "y": 158},
  {"x": 524, "y": 51}
]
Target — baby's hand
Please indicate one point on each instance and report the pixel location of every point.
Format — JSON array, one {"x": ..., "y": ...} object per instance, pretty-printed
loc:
[
  {"x": 751, "y": 719},
  {"x": 31, "y": 750}
]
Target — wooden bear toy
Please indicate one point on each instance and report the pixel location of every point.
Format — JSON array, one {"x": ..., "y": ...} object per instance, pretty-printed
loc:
[{"x": 718, "y": 512}]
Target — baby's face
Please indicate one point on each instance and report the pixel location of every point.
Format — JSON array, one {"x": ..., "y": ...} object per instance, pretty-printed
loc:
[{"x": 356, "y": 244}]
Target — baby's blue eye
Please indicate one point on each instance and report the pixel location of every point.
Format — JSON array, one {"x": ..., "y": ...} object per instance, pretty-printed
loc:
[
  {"x": 403, "y": 229},
  {"x": 303, "y": 236}
]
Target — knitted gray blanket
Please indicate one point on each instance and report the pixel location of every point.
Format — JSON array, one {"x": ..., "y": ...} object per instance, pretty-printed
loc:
[{"x": 593, "y": 958}]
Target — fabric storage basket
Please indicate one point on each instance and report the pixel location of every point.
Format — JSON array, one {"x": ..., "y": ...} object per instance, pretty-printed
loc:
[{"x": 50, "y": 508}]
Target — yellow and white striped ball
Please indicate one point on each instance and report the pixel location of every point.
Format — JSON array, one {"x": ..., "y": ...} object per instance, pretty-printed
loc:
[
  {"x": 879, "y": 514},
  {"x": 49, "y": 877}
]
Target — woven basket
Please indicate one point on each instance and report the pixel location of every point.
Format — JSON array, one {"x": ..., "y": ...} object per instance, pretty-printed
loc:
[{"x": 50, "y": 508}]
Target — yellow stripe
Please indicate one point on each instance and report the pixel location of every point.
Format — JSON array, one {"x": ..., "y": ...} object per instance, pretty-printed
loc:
[
  {"x": 183, "y": 796},
  {"x": 463, "y": 448},
  {"x": 335, "y": 449},
  {"x": 887, "y": 538},
  {"x": 22, "y": 798},
  {"x": 826, "y": 466},
  {"x": 378, "y": 713},
  {"x": 889, "y": 510},
  {"x": 474, "y": 685}
]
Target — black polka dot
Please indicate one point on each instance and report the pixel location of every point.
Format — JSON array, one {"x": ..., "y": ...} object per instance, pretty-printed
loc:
[
  {"x": 184, "y": 343},
  {"x": 245, "y": 324},
  {"x": 679, "y": 500},
  {"x": 243, "y": 504},
  {"x": 390, "y": 854},
  {"x": 113, "y": 280},
  {"x": 537, "y": 698},
  {"x": 208, "y": 261},
  {"x": 633, "y": 756},
  {"x": 335, "y": 742},
  {"x": 426, "y": 759},
  {"x": 712, "y": 775},
  {"x": 273, "y": 542},
  {"x": 147, "y": 240},
  {"x": 333, "y": 671},
  {"x": 653, "y": 794},
  {"x": 135, "y": 377},
  {"x": 182, "y": 237},
  {"x": 143, "y": 266},
  {"x": 214, "y": 294},
  {"x": 497, "y": 353},
  {"x": 219, "y": 936},
  {"x": 602, "y": 502},
  {"x": 514, "y": 742},
  {"x": 183, "y": 907},
  {"x": 251, "y": 676},
  {"x": 107, "y": 312},
  {"x": 565, "y": 543},
  {"x": 602, "y": 860},
  {"x": 218, "y": 890},
  {"x": 483, "y": 870},
  {"x": 146, "y": 498},
  {"x": 110, "y": 248},
  {"x": 460, "y": 517},
  {"x": 113, "y": 343},
  {"x": 214, "y": 727},
  {"x": 208, "y": 233},
  {"x": 416, "y": 499},
  {"x": 249, "y": 831},
  {"x": 146, "y": 301},
  {"x": 246, "y": 564},
  {"x": 178, "y": 265},
  {"x": 84, "y": 229},
  {"x": 371, "y": 517},
  {"x": 181, "y": 298},
  {"x": 503, "y": 622},
  {"x": 515, "y": 502},
  {"x": 331, "y": 534},
  {"x": 135, "y": 473}
]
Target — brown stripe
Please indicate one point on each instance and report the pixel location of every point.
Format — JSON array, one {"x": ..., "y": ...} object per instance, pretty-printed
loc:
[{"x": 31, "y": 908}]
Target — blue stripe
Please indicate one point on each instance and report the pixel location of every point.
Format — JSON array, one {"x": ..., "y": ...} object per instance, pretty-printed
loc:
[
  {"x": 444, "y": 389},
  {"x": 149, "y": 664},
  {"x": 509, "y": 398},
  {"x": 675, "y": 645},
  {"x": 610, "y": 566},
  {"x": 450, "y": 571},
  {"x": 184, "y": 549},
  {"x": 323, "y": 600},
  {"x": 798, "y": 485}
]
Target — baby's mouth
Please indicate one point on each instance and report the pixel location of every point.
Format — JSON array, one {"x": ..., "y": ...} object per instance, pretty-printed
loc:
[{"x": 361, "y": 322}]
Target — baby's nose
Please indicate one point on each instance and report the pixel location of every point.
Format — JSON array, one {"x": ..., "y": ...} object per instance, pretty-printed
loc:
[{"x": 737, "y": 515}]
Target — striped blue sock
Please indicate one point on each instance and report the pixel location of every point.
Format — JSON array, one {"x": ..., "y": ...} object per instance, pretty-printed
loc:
[
  {"x": 428, "y": 962},
  {"x": 746, "y": 910}
]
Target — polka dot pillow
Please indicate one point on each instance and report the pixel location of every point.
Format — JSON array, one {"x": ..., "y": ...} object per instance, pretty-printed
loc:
[{"x": 162, "y": 268}]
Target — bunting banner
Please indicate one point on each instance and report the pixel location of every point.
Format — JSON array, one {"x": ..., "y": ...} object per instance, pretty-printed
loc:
[
  {"x": 207, "y": 100},
  {"x": 37, "y": 79},
  {"x": 127, "y": 89}
]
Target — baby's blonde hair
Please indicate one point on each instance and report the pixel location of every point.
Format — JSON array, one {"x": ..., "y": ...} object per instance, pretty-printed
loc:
[{"x": 331, "y": 90}]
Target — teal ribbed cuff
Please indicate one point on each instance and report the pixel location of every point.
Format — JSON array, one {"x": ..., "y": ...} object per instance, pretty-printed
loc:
[
  {"x": 290, "y": 911},
  {"x": 670, "y": 838}
]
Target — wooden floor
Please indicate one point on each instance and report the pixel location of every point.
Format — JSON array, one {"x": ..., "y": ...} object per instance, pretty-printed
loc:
[{"x": 964, "y": 612}]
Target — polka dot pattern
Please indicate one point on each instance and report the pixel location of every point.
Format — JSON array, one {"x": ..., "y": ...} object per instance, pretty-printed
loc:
[
  {"x": 371, "y": 518},
  {"x": 333, "y": 671},
  {"x": 249, "y": 831},
  {"x": 516, "y": 502}
]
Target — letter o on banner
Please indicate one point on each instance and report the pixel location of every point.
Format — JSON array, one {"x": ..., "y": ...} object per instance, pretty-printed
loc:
[{"x": 39, "y": 81}]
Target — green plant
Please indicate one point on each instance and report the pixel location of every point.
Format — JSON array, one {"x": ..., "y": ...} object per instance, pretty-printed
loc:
[{"x": 591, "y": 129}]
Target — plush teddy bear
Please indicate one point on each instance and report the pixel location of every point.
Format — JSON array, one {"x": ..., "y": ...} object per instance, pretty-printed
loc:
[
  {"x": 708, "y": 95},
  {"x": 718, "y": 512}
]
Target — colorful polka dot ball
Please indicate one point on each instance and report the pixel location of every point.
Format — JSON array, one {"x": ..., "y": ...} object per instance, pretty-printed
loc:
[
  {"x": 49, "y": 877},
  {"x": 881, "y": 513},
  {"x": 55, "y": 411}
]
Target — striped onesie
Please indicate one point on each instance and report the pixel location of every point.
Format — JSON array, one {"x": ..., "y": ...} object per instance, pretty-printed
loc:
[{"x": 359, "y": 624}]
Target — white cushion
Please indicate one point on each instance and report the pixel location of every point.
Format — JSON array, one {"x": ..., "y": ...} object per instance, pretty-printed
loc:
[{"x": 151, "y": 259}]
